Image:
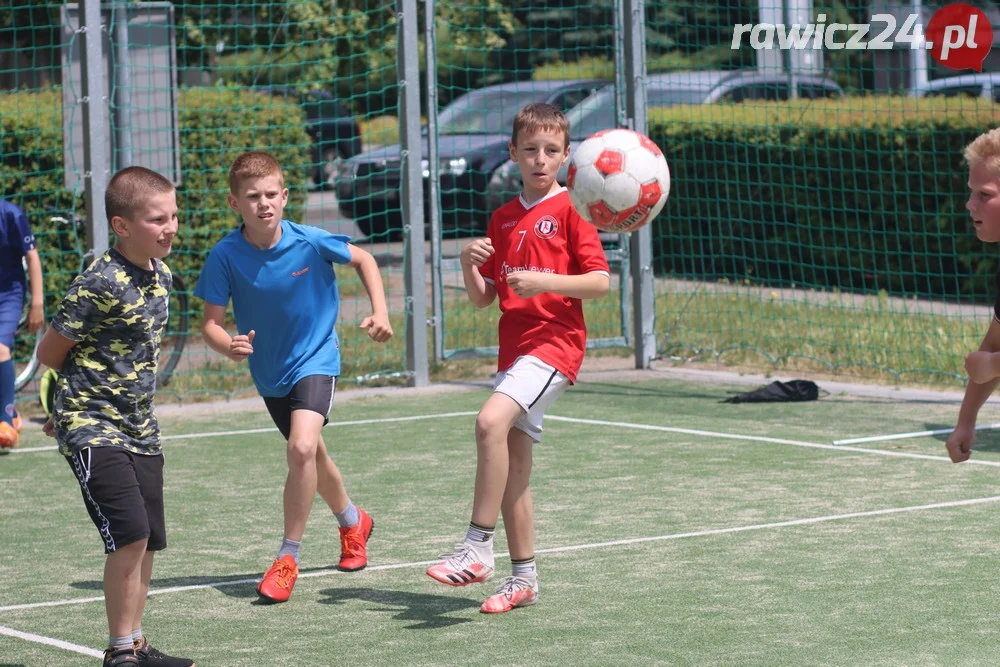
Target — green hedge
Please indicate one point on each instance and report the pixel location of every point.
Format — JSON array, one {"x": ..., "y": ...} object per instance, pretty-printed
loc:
[
  {"x": 863, "y": 194},
  {"x": 216, "y": 125}
]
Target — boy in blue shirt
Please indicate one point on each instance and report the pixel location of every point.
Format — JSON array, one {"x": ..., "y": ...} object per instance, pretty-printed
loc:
[
  {"x": 280, "y": 278},
  {"x": 16, "y": 243}
]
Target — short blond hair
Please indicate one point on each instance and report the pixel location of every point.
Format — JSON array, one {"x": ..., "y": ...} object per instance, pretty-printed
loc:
[
  {"x": 985, "y": 150},
  {"x": 253, "y": 164},
  {"x": 540, "y": 116},
  {"x": 130, "y": 189}
]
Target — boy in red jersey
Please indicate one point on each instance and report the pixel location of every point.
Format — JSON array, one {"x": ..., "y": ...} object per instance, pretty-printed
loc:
[{"x": 541, "y": 259}]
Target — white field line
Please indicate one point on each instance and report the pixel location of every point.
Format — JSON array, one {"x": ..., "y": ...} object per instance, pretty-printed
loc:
[
  {"x": 250, "y": 431},
  {"x": 31, "y": 450},
  {"x": 552, "y": 550},
  {"x": 904, "y": 436},
  {"x": 760, "y": 438},
  {"x": 49, "y": 641},
  {"x": 838, "y": 445}
]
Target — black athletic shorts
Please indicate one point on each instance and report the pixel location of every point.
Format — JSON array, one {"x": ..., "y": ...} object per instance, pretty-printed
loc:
[
  {"x": 123, "y": 493},
  {"x": 313, "y": 392}
]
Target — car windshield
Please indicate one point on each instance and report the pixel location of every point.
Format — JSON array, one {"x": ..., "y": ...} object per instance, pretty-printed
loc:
[
  {"x": 597, "y": 112},
  {"x": 485, "y": 113}
]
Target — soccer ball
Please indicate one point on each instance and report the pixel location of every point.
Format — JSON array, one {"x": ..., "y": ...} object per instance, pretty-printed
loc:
[{"x": 618, "y": 180}]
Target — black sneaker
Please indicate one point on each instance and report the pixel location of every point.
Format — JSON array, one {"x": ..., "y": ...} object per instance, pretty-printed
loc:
[
  {"x": 150, "y": 657},
  {"x": 123, "y": 657}
]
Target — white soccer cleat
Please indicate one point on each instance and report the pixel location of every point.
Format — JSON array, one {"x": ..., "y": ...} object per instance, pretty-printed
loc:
[
  {"x": 465, "y": 566},
  {"x": 514, "y": 592}
]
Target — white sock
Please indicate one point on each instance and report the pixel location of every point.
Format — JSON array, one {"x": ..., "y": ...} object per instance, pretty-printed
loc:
[
  {"x": 524, "y": 568},
  {"x": 479, "y": 535}
]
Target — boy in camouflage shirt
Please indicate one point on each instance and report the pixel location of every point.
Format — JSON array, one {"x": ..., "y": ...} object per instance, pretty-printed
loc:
[{"x": 105, "y": 342}]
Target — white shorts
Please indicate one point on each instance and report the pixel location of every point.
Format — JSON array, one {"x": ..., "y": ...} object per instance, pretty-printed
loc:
[{"x": 535, "y": 386}]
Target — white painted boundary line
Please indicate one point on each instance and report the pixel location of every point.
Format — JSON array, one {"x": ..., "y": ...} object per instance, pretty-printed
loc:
[
  {"x": 48, "y": 641},
  {"x": 31, "y": 450},
  {"x": 838, "y": 445},
  {"x": 760, "y": 438},
  {"x": 552, "y": 550},
  {"x": 250, "y": 431},
  {"x": 904, "y": 436}
]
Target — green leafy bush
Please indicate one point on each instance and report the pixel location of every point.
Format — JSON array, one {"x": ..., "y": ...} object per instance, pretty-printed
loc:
[
  {"x": 217, "y": 124},
  {"x": 863, "y": 194}
]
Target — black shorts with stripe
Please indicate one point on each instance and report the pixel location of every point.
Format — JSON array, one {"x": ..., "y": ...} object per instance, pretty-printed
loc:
[
  {"x": 123, "y": 492},
  {"x": 313, "y": 392}
]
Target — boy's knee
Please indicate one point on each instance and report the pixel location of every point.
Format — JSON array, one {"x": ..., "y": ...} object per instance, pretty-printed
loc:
[
  {"x": 489, "y": 424},
  {"x": 301, "y": 452},
  {"x": 132, "y": 550}
]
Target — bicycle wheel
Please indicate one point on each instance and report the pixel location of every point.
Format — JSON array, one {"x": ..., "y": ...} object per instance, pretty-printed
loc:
[
  {"x": 172, "y": 346},
  {"x": 27, "y": 367}
]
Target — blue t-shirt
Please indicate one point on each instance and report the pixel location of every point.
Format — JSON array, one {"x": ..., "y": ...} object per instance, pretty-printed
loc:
[
  {"x": 16, "y": 240},
  {"x": 288, "y": 295}
]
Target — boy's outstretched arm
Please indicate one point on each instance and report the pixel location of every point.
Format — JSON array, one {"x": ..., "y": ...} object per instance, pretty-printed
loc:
[
  {"x": 214, "y": 332},
  {"x": 592, "y": 285},
  {"x": 377, "y": 324},
  {"x": 474, "y": 254},
  {"x": 983, "y": 367},
  {"x": 36, "y": 314}
]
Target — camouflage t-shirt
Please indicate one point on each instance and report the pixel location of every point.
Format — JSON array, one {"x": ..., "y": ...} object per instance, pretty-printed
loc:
[{"x": 117, "y": 313}]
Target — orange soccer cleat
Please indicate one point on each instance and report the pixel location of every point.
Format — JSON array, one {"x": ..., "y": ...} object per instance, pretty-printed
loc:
[
  {"x": 279, "y": 579},
  {"x": 354, "y": 543},
  {"x": 9, "y": 437}
]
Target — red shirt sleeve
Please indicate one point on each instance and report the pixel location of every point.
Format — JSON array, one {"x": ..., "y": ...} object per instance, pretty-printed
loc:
[{"x": 585, "y": 244}]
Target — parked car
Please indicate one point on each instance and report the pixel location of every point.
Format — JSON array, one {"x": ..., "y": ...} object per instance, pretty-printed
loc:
[
  {"x": 986, "y": 85},
  {"x": 473, "y": 133},
  {"x": 597, "y": 112},
  {"x": 335, "y": 133}
]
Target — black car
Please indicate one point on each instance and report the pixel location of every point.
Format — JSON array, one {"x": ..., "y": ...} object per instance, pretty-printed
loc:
[
  {"x": 473, "y": 133},
  {"x": 335, "y": 133}
]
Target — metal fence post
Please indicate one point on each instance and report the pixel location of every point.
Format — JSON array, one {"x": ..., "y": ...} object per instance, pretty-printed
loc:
[
  {"x": 121, "y": 110},
  {"x": 433, "y": 180},
  {"x": 95, "y": 121},
  {"x": 622, "y": 120},
  {"x": 641, "y": 243},
  {"x": 412, "y": 199}
]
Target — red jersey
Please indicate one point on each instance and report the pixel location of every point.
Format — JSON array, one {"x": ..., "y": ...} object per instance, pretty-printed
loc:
[{"x": 551, "y": 237}]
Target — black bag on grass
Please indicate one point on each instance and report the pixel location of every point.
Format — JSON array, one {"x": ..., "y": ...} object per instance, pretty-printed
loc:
[{"x": 793, "y": 390}]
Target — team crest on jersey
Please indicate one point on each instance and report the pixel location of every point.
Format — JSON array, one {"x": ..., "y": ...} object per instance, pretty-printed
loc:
[{"x": 546, "y": 227}]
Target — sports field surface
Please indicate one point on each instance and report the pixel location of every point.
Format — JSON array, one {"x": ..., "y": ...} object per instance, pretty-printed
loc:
[{"x": 672, "y": 529}]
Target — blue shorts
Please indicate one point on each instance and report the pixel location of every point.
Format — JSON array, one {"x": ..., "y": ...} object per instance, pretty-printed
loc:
[{"x": 11, "y": 308}]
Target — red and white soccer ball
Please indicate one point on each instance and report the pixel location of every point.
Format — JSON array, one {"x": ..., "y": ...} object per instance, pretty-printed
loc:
[{"x": 618, "y": 180}]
